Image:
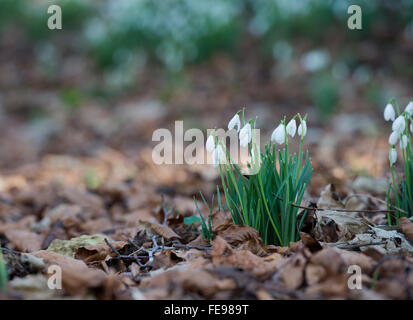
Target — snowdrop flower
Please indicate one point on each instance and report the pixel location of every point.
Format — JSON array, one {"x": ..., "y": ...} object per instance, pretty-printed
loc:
[
  {"x": 393, "y": 138},
  {"x": 210, "y": 143},
  {"x": 245, "y": 135},
  {"x": 291, "y": 128},
  {"x": 234, "y": 122},
  {"x": 218, "y": 156},
  {"x": 302, "y": 129},
  {"x": 278, "y": 135},
  {"x": 389, "y": 113},
  {"x": 392, "y": 156},
  {"x": 399, "y": 124},
  {"x": 409, "y": 108},
  {"x": 403, "y": 142}
]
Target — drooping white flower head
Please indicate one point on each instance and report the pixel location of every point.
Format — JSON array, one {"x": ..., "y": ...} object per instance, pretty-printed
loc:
[
  {"x": 278, "y": 135},
  {"x": 403, "y": 142},
  {"x": 245, "y": 135},
  {"x": 234, "y": 122},
  {"x": 409, "y": 108},
  {"x": 210, "y": 143},
  {"x": 302, "y": 128},
  {"x": 218, "y": 156},
  {"x": 399, "y": 124},
  {"x": 393, "y": 138},
  {"x": 389, "y": 113},
  {"x": 291, "y": 128},
  {"x": 392, "y": 156}
]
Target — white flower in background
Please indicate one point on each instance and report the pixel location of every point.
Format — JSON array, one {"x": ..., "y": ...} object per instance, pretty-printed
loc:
[
  {"x": 245, "y": 135},
  {"x": 278, "y": 135},
  {"x": 302, "y": 128},
  {"x": 210, "y": 143},
  {"x": 409, "y": 108},
  {"x": 218, "y": 156},
  {"x": 403, "y": 142},
  {"x": 291, "y": 128},
  {"x": 389, "y": 113},
  {"x": 411, "y": 127},
  {"x": 392, "y": 156},
  {"x": 399, "y": 124},
  {"x": 393, "y": 138},
  {"x": 234, "y": 122}
]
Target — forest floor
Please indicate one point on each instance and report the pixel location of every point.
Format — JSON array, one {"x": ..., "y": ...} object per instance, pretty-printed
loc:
[{"x": 78, "y": 189}]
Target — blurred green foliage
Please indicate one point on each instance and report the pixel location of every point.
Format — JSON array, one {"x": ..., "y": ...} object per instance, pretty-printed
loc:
[{"x": 122, "y": 35}]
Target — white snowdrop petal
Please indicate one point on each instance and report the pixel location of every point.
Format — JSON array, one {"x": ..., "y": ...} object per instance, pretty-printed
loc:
[
  {"x": 389, "y": 113},
  {"x": 411, "y": 127},
  {"x": 291, "y": 128},
  {"x": 245, "y": 135},
  {"x": 394, "y": 136},
  {"x": 392, "y": 156},
  {"x": 210, "y": 143},
  {"x": 399, "y": 124},
  {"x": 234, "y": 122},
  {"x": 218, "y": 156},
  {"x": 302, "y": 129},
  {"x": 403, "y": 142},
  {"x": 278, "y": 135},
  {"x": 409, "y": 108}
]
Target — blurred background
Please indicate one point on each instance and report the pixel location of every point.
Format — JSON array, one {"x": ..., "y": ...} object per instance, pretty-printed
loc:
[{"x": 119, "y": 69}]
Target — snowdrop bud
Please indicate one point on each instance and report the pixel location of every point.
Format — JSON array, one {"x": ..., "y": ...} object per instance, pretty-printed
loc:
[
  {"x": 409, "y": 108},
  {"x": 302, "y": 129},
  {"x": 234, "y": 122},
  {"x": 210, "y": 143},
  {"x": 393, "y": 138},
  {"x": 389, "y": 113},
  {"x": 399, "y": 124},
  {"x": 278, "y": 135},
  {"x": 218, "y": 156},
  {"x": 291, "y": 128},
  {"x": 403, "y": 142},
  {"x": 245, "y": 135},
  {"x": 392, "y": 156}
]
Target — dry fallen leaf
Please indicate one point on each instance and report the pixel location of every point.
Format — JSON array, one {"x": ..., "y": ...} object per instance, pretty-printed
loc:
[
  {"x": 77, "y": 278},
  {"x": 407, "y": 228},
  {"x": 154, "y": 227},
  {"x": 24, "y": 240}
]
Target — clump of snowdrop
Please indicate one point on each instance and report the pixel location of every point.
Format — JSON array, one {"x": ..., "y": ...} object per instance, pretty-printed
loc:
[
  {"x": 400, "y": 195},
  {"x": 264, "y": 198}
]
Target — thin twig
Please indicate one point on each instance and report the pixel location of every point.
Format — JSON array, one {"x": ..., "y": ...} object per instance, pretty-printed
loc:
[
  {"x": 359, "y": 245},
  {"x": 336, "y": 209},
  {"x": 188, "y": 247}
]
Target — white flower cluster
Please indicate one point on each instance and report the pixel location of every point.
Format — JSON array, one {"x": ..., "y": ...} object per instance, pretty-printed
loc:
[
  {"x": 400, "y": 129},
  {"x": 279, "y": 136}
]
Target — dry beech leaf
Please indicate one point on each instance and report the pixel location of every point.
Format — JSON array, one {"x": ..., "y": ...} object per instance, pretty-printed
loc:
[
  {"x": 333, "y": 287},
  {"x": 310, "y": 242},
  {"x": 293, "y": 274},
  {"x": 154, "y": 227},
  {"x": 98, "y": 252},
  {"x": 349, "y": 223},
  {"x": 224, "y": 255},
  {"x": 244, "y": 237},
  {"x": 314, "y": 273},
  {"x": 24, "y": 240},
  {"x": 407, "y": 228},
  {"x": 77, "y": 278}
]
